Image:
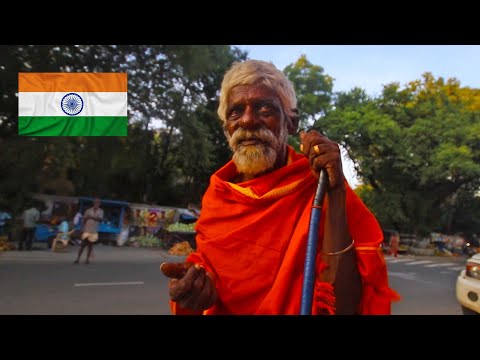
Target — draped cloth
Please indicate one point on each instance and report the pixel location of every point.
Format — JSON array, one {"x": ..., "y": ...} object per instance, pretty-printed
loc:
[{"x": 252, "y": 237}]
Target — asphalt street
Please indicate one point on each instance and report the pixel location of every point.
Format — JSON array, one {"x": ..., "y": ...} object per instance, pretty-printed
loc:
[{"x": 127, "y": 281}]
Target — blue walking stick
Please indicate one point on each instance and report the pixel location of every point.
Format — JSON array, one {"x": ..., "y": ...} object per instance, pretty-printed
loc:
[{"x": 311, "y": 253}]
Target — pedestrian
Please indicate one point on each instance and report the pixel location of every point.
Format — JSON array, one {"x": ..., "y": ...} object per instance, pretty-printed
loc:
[
  {"x": 77, "y": 219},
  {"x": 77, "y": 226},
  {"x": 5, "y": 224},
  {"x": 91, "y": 222},
  {"x": 394, "y": 244},
  {"x": 253, "y": 228},
  {"x": 63, "y": 234},
  {"x": 31, "y": 217}
]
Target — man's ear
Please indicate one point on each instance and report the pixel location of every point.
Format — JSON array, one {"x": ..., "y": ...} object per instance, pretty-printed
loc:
[{"x": 292, "y": 124}]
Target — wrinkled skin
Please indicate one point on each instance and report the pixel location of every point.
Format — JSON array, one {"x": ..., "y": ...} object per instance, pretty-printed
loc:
[
  {"x": 328, "y": 157},
  {"x": 190, "y": 286}
]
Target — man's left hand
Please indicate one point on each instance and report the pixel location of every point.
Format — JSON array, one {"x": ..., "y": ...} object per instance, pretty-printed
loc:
[{"x": 323, "y": 153}]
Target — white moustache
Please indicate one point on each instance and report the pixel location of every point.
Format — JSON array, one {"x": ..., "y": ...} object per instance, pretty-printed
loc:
[{"x": 264, "y": 136}]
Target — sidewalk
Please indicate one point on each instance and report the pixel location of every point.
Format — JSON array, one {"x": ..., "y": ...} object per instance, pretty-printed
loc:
[
  {"x": 416, "y": 251},
  {"x": 103, "y": 253}
]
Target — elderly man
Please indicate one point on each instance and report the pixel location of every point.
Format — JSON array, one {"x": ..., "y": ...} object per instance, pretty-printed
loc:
[{"x": 253, "y": 229}]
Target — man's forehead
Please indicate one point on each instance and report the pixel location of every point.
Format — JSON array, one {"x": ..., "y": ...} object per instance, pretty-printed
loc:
[{"x": 247, "y": 92}]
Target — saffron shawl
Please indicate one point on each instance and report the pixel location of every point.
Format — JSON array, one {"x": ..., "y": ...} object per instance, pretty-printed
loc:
[{"x": 252, "y": 237}]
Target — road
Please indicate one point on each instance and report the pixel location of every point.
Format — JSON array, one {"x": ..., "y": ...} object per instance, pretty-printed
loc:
[
  {"x": 127, "y": 281},
  {"x": 117, "y": 281},
  {"x": 426, "y": 284}
]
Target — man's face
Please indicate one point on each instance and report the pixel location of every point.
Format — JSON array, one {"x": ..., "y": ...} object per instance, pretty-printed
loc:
[
  {"x": 256, "y": 128},
  {"x": 96, "y": 203}
]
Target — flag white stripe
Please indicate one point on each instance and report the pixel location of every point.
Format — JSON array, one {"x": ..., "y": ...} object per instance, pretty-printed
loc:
[{"x": 94, "y": 104}]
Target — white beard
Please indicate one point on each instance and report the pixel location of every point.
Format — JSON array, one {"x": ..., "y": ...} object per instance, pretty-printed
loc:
[{"x": 258, "y": 158}]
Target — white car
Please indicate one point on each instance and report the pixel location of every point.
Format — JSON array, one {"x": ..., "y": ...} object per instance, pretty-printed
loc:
[{"x": 468, "y": 286}]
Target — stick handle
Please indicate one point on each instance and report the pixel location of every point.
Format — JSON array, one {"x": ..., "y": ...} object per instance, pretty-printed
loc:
[{"x": 311, "y": 252}]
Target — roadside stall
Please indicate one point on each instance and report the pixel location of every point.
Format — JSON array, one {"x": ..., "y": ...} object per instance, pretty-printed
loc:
[
  {"x": 162, "y": 226},
  {"x": 148, "y": 224}
]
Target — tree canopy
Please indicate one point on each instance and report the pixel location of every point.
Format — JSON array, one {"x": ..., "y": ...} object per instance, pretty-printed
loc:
[
  {"x": 175, "y": 139},
  {"x": 415, "y": 148}
]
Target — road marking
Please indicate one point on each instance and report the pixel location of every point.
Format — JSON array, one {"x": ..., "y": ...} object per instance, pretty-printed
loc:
[
  {"x": 405, "y": 276},
  {"x": 438, "y": 265},
  {"x": 457, "y": 268},
  {"x": 398, "y": 260},
  {"x": 111, "y": 283},
  {"x": 27, "y": 258},
  {"x": 419, "y": 262},
  {"x": 410, "y": 276}
]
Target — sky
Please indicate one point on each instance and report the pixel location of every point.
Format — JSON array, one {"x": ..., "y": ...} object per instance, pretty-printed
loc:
[{"x": 372, "y": 66}]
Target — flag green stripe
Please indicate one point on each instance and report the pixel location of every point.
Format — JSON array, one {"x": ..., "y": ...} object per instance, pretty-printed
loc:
[{"x": 72, "y": 126}]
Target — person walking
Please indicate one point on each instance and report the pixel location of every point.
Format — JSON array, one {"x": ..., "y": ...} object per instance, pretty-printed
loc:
[{"x": 91, "y": 222}]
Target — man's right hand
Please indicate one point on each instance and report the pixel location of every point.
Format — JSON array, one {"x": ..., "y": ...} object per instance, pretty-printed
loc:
[{"x": 190, "y": 286}]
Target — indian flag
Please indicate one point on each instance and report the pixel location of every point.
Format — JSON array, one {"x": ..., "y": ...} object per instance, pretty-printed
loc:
[{"x": 72, "y": 104}]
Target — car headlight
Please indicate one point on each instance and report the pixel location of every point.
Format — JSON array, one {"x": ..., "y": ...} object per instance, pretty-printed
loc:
[{"x": 473, "y": 270}]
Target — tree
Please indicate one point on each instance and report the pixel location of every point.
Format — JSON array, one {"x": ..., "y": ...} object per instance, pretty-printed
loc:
[
  {"x": 171, "y": 104},
  {"x": 313, "y": 89},
  {"x": 415, "y": 149}
]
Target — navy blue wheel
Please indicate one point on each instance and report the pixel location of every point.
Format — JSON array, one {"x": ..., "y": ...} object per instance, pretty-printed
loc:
[{"x": 72, "y": 104}]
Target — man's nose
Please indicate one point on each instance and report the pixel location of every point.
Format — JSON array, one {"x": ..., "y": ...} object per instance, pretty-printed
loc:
[{"x": 249, "y": 118}]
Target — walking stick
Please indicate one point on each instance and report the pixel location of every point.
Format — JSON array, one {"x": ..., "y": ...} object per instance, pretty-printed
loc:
[{"x": 311, "y": 253}]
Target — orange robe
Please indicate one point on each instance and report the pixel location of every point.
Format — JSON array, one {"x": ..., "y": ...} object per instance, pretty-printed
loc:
[{"x": 252, "y": 238}]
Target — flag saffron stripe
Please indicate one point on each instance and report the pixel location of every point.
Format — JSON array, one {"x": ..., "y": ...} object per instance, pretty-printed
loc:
[
  {"x": 72, "y": 126},
  {"x": 72, "y": 82}
]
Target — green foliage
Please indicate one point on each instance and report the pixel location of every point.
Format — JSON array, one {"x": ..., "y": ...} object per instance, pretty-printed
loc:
[
  {"x": 415, "y": 149},
  {"x": 174, "y": 141},
  {"x": 313, "y": 88}
]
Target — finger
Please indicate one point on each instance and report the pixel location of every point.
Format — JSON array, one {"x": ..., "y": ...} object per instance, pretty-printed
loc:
[
  {"x": 310, "y": 139},
  {"x": 209, "y": 293},
  {"x": 193, "y": 280},
  {"x": 175, "y": 270},
  {"x": 301, "y": 136},
  {"x": 196, "y": 300},
  {"x": 176, "y": 290},
  {"x": 316, "y": 150},
  {"x": 208, "y": 296},
  {"x": 333, "y": 166},
  {"x": 305, "y": 146},
  {"x": 183, "y": 288},
  {"x": 326, "y": 161},
  {"x": 198, "y": 283},
  {"x": 172, "y": 283}
]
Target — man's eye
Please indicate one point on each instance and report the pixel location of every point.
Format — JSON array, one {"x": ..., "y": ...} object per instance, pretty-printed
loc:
[
  {"x": 266, "y": 110},
  {"x": 235, "y": 112}
]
